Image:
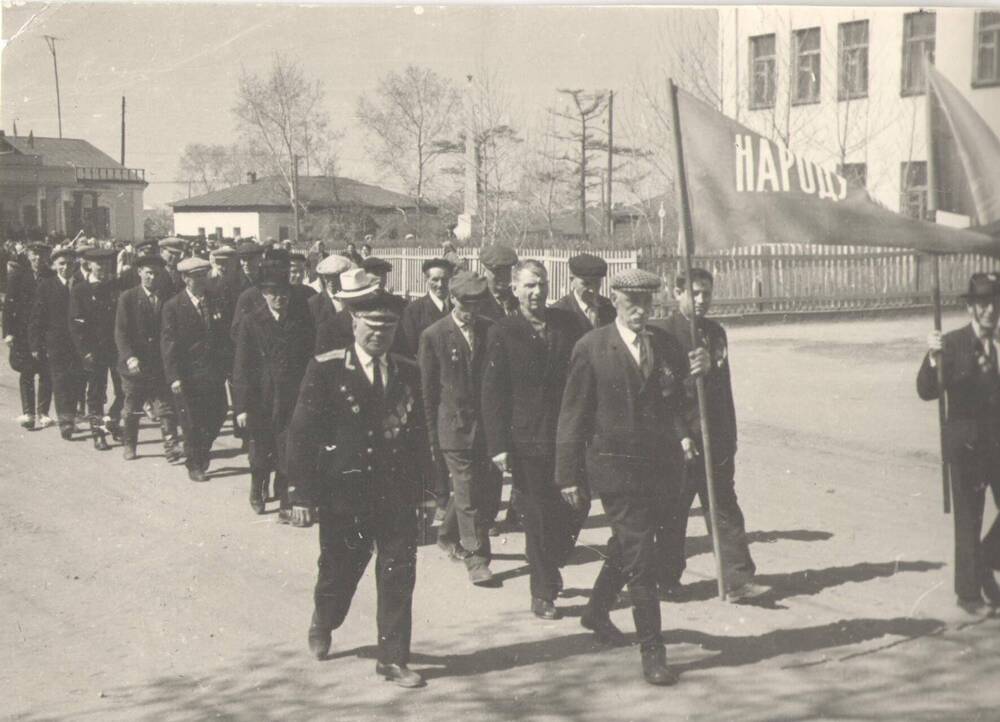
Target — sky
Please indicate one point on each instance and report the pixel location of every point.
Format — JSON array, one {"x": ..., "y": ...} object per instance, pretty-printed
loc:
[{"x": 178, "y": 65}]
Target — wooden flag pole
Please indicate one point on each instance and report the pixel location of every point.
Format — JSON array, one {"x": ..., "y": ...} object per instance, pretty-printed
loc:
[
  {"x": 936, "y": 291},
  {"x": 687, "y": 240}
]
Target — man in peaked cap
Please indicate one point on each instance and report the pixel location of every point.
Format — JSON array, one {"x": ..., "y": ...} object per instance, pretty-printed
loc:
[
  {"x": 590, "y": 309},
  {"x": 967, "y": 360},
  {"x": 92, "y": 306},
  {"x": 497, "y": 262},
  {"x": 619, "y": 436},
  {"x": 140, "y": 361},
  {"x": 452, "y": 356},
  {"x": 330, "y": 316},
  {"x": 428, "y": 308},
  {"x": 273, "y": 346},
  {"x": 354, "y": 451},
  {"x": 192, "y": 343}
]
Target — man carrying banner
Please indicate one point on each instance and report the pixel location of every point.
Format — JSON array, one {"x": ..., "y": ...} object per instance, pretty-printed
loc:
[{"x": 968, "y": 360}]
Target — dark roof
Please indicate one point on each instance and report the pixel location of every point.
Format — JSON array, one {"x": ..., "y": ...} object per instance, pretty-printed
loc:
[
  {"x": 316, "y": 191},
  {"x": 71, "y": 152}
]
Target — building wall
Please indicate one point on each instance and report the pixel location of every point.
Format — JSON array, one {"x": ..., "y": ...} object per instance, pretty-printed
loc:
[
  {"x": 188, "y": 223},
  {"x": 883, "y": 130}
]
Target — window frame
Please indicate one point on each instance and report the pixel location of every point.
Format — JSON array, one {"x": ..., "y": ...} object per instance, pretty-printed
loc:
[
  {"x": 906, "y": 190},
  {"x": 797, "y": 55},
  {"x": 843, "y": 93},
  {"x": 977, "y": 80},
  {"x": 908, "y": 42},
  {"x": 767, "y": 103}
]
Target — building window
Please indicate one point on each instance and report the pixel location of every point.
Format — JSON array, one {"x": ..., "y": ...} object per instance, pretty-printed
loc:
[
  {"x": 853, "y": 57},
  {"x": 913, "y": 189},
  {"x": 918, "y": 39},
  {"x": 987, "y": 48},
  {"x": 762, "y": 70},
  {"x": 855, "y": 173},
  {"x": 236, "y": 232},
  {"x": 806, "y": 48},
  {"x": 282, "y": 232},
  {"x": 218, "y": 233},
  {"x": 201, "y": 232}
]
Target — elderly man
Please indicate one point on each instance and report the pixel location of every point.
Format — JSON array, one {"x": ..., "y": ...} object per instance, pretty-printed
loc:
[
  {"x": 497, "y": 261},
  {"x": 92, "y": 306},
  {"x": 451, "y": 358},
  {"x": 621, "y": 427},
  {"x": 590, "y": 309},
  {"x": 192, "y": 344},
  {"x": 140, "y": 362},
  {"x": 428, "y": 308},
  {"x": 330, "y": 317},
  {"x": 354, "y": 447},
  {"x": 527, "y": 359},
  {"x": 20, "y": 297},
  {"x": 273, "y": 346},
  {"x": 967, "y": 361}
]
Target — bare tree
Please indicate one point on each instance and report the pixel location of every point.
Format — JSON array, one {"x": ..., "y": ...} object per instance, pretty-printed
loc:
[
  {"x": 546, "y": 176},
  {"x": 207, "y": 167},
  {"x": 411, "y": 117}
]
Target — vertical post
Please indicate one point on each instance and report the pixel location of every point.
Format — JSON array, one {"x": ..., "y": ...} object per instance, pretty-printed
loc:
[
  {"x": 123, "y": 131},
  {"x": 609, "y": 220},
  {"x": 687, "y": 241},
  {"x": 583, "y": 176},
  {"x": 51, "y": 42},
  {"x": 295, "y": 195}
]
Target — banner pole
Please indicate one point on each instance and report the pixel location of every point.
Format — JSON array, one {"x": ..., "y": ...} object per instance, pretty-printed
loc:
[
  {"x": 932, "y": 202},
  {"x": 687, "y": 241}
]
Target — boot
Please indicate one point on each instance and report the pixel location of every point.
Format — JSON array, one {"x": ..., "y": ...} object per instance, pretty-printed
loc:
[
  {"x": 130, "y": 437},
  {"x": 171, "y": 444},
  {"x": 655, "y": 669},
  {"x": 97, "y": 432},
  {"x": 595, "y": 615},
  {"x": 258, "y": 490},
  {"x": 114, "y": 428}
]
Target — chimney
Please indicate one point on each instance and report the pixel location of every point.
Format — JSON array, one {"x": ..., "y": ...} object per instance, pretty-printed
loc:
[
  {"x": 252, "y": 177},
  {"x": 31, "y": 138}
]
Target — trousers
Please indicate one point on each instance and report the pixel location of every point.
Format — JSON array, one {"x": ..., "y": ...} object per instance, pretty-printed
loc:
[
  {"x": 201, "y": 409},
  {"x": 96, "y": 380},
  {"x": 475, "y": 500},
  {"x": 33, "y": 404},
  {"x": 67, "y": 390},
  {"x": 972, "y": 474}
]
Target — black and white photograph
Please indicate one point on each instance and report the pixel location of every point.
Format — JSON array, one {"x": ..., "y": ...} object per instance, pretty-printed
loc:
[{"x": 499, "y": 362}]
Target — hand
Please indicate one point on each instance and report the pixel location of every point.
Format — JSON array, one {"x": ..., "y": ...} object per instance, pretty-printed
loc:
[
  {"x": 502, "y": 461},
  {"x": 690, "y": 450},
  {"x": 573, "y": 496},
  {"x": 8, "y": 340},
  {"x": 133, "y": 364},
  {"x": 241, "y": 420},
  {"x": 303, "y": 516},
  {"x": 176, "y": 387},
  {"x": 934, "y": 341},
  {"x": 700, "y": 361}
]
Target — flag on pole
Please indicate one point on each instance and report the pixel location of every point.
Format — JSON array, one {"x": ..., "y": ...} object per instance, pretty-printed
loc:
[
  {"x": 966, "y": 154},
  {"x": 746, "y": 190}
]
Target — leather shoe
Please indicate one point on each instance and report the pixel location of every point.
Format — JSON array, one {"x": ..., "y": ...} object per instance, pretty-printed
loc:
[
  {"x": 319, "y": 641},
  {"x": 603, "y": 628},
  {"x": 655, "y": 669},
  {"x": 974, "y": 605},
  {"x": 991, "y": 590},
  {"x": 284, "y": 516},
  {"x": 197, "y": 475},
  {"x": 480, "y": 574},
  {"x": 544, "y": 609},
  {"x": 402, "y": 675},
  {"x": 128, "y": 453},
  {"x": 746, "y": 591},
  {"x": 66, "y": 433}
]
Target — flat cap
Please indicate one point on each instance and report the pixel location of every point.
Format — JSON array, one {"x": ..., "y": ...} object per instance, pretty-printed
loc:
[
  {"x": 149, "y": 261},
  {"x": 99, "y": 254},
  {"x": 223, "y": 252},
  {"x": 178, "y": 245},
  {"x": 497, "y": 256},
  {"x": 276, "y": 256},
  {"x": 333, "y": 265},
  {"x": 40, "y": 248},
  {"x": 274, "y": 277},
  {"x": 587, "y": 265},
  {"x": 376, "y": 265},
  {"x": 437, "y": 263},
  {"x": 146, "y": 245},
  {"x": 468, "y": 286},
  {"x": 248, "y": 248},
  {"x": 194, "y": 265},
  {"x": 64, "y": 251},
  {"x": 636, "y": 280}
]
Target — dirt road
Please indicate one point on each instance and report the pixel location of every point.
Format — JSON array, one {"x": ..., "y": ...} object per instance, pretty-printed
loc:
[{"x": 128, "y": 592}]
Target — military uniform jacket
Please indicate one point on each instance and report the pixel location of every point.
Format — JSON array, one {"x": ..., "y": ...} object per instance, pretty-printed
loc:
[
  {"x": 271, "y": 359},
  {"x": 333, "y": 327},
  {"x": 625, "y": 430},
  {"x": 451, "y": 381},
  {"x": 343, "y": 452},
  {"x": 92, "y": 308},
  {"x": 973, "y": 388},
  {"x": 605, "y": 311},
  {"x": 718, "y": 384},
  {"x": 193, "y": 348},
  {"x": 17, "y": 305},
  {"x": 523, "y": 383},
  {"x": 137, "y": 333},
  {"x": 417, "y": 317},
  {"x": 48, "y": 327}
]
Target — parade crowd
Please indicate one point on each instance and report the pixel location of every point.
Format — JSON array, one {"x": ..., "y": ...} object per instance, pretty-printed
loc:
[{"x": 356, "y": 407}]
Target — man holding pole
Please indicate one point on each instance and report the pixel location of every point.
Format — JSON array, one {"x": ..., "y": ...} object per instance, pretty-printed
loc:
[
  {"x": 619, "y": 435},
  {"x": 967, "y": 360}
]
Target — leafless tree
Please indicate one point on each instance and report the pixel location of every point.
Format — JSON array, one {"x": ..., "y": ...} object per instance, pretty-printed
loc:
[{"x": 208, "y": 167}]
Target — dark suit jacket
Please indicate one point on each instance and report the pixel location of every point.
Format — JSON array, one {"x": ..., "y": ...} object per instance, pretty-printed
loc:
[
  {"x": 718, "y": 384},
  {"x": 336, "y": 432},
  {"x": 193, "y": 351},
  {"x": 494, "y": 310},
  {"x": 17, "y": 305},
  {"x": 270, "y": 361},
  {"x": 617, "y": 432},
  {"x": 92, "y": 320},
  {"x": 451, "y": 380},
  {"x": 167, "y": 284},
  {"x": 605, "y": 311},
  {"x": 417, "y": 316},
  {"x": 137, "y": 333},
  {"x": 252, "y": 300},
  {"x": 523, "y": 383},
  {"x": 333, "y": 327},
  {"x": 48, "y": 327},
  {"x": 973, "y": 394}
]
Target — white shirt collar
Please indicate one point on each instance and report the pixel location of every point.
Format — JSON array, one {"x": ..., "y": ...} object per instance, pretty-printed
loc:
[
  {"x": 366, "y": 361},
  {"x": 437, "y": 301},
  {"x": 277, "y": 317},
  {"x": 149, "y": 294},
  {"x": 194, "y": 299},
  {"x": 628, "y": 335},
  {"x": 579, "y": 302}
]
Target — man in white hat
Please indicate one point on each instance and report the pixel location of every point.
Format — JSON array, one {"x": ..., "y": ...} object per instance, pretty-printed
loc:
[{"x": 333, "y": 322}]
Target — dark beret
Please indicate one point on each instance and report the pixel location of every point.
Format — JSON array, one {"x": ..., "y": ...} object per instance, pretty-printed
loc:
[
  {"x": 437, "y": 263},
  {"x": 587, "y": 265},
  {"x": 248, "y": 248},
  {"x": 497, "y": 256},
  {"x": 376, "y": 265}
]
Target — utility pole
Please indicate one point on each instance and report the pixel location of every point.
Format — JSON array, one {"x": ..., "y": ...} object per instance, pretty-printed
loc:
[
  {"x": 583, "y": 175},
  {"x": 295, "y": 194},
  {"x": 611, "y": 156},
  {"x": 123, "y": 131},
  {"x": 51, "y": 42}
]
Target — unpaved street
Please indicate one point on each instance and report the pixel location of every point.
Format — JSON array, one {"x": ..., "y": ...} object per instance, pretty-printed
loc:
[{"x": 128, "y": 592}]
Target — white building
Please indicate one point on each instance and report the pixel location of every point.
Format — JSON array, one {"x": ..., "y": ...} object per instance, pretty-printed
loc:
[{"x": 845, "y": 87}]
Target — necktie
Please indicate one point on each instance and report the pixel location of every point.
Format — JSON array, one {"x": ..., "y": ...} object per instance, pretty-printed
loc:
[
  {"x": 645, "y": 363},
  {"x": 153, "y": 301},
  {"x": 592, "y": 315},
  {"x": 378, "y": 384}
]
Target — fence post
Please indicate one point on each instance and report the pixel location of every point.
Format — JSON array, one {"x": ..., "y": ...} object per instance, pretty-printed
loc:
[{"x": 918, "y": 258}]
